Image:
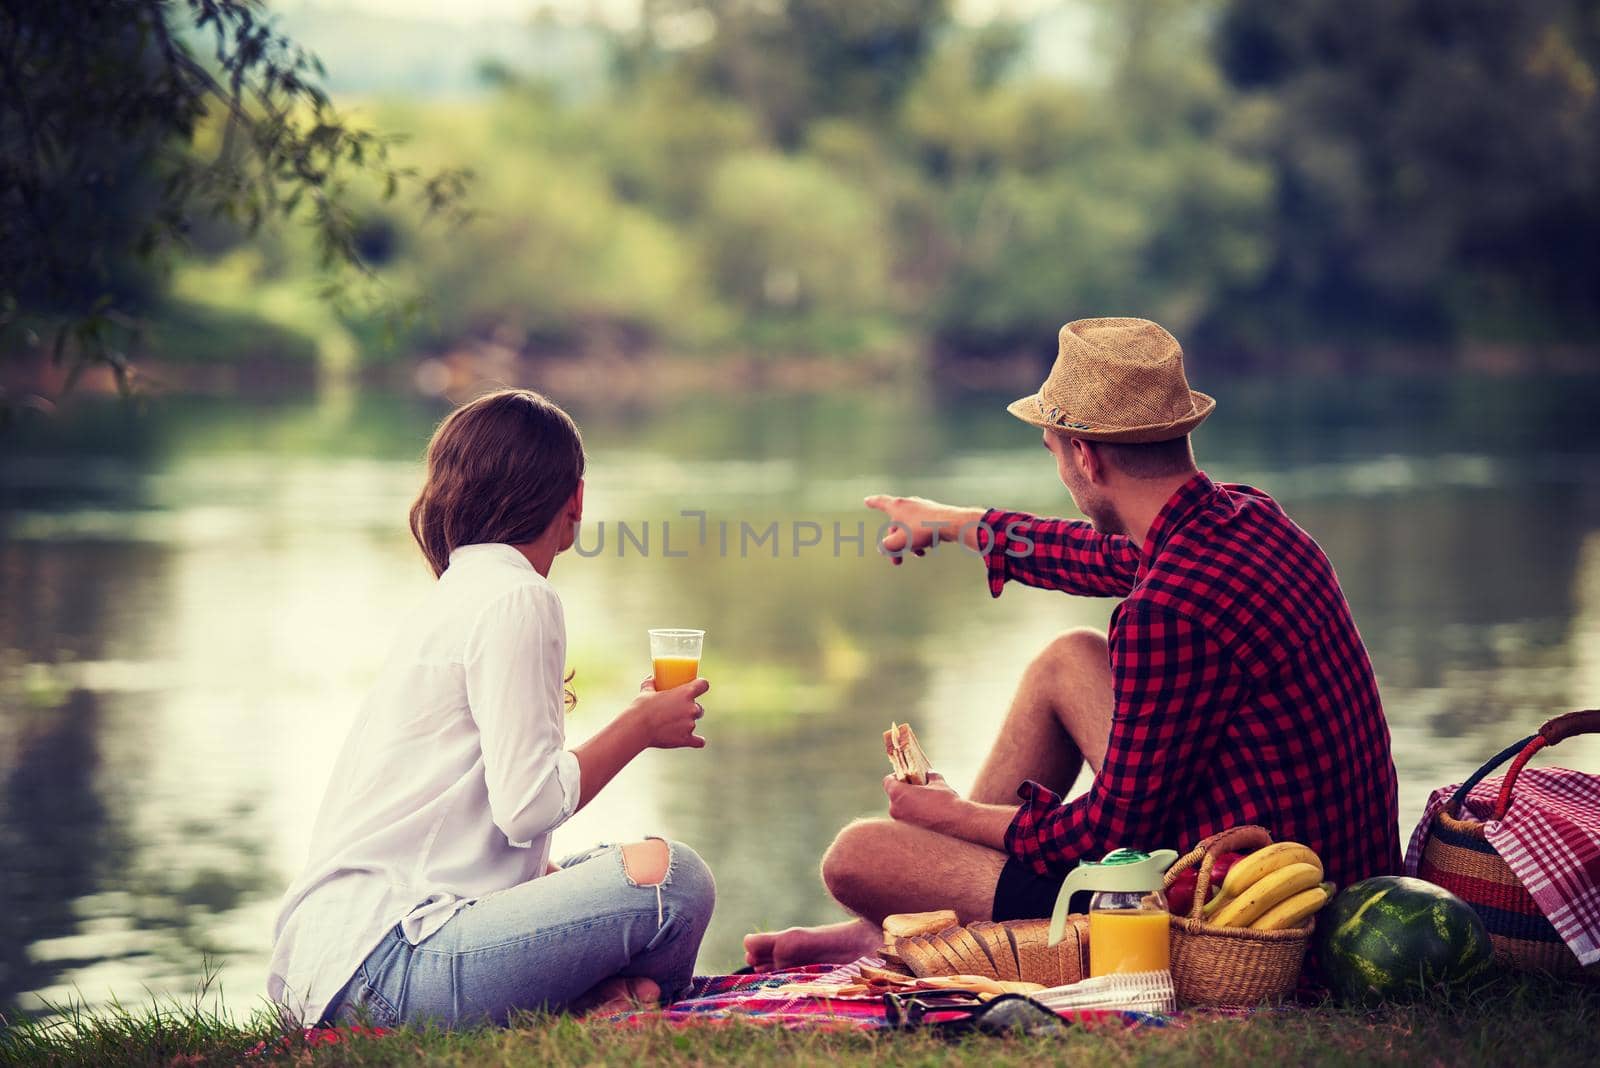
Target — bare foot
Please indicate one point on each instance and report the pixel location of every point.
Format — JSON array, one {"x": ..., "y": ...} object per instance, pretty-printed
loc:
[
  {"x": 617, "y": 994},
  {"x": 834, "y": 943}
]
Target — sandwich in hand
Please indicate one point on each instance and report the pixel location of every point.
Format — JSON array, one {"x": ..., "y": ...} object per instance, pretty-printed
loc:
[{"x": 905, "y": 755}]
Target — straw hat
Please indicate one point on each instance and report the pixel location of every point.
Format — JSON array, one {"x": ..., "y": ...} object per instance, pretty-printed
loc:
[{"x": 1116, "y": 380}]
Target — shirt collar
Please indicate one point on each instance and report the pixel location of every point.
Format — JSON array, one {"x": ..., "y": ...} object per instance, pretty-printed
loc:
[
  {"x": 489, "y": 550},
  {"x": 1185, "y": 501}
]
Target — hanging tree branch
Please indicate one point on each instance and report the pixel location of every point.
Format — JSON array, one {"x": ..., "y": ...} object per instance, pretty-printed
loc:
[{"x": 100, "y": 170}]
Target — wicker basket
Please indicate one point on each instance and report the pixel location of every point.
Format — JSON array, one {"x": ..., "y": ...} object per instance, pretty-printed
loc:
[
  {"x": 1459, "y": 858},
  {"x": 1230, "y": 966}
]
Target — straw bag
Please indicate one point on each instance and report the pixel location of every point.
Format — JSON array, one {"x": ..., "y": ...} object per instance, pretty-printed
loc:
[
  {"x": 1459, "y": 858},
  {"x": 1230, "y": 966}
]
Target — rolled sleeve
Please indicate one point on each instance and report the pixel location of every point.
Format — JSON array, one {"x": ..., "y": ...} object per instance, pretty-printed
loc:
[
  {"x": 998, "y": 526},
  {"x": 569, "y": 777},
  {"x": 513, "y": 664},
  {"x": 1057, "y": 554},
  {"x": 1023, "y": 840}
]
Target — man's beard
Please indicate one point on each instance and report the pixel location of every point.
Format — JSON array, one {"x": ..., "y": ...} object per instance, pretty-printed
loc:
[
  {"x": 1097, "y": 509},
  {"x": 1105, "y": 517}
]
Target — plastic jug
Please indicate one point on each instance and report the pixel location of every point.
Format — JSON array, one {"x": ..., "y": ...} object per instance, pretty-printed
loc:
[{"x": 1128, "y": 919}]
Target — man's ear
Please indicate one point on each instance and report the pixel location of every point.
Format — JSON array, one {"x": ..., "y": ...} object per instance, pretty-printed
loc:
[
  {"x": 1088, "y": 460},
  {"x": 575, "y": 506}
]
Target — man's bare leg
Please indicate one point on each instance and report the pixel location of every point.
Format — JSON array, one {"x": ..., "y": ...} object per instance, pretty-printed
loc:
[
  {"x": 1060, "y": 717},
  {"x": 828, "y": 943},
  {"x": 878, "y": 867}
]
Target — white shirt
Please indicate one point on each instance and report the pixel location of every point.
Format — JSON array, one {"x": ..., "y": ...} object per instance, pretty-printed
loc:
[{"x": 449, "y": 783}]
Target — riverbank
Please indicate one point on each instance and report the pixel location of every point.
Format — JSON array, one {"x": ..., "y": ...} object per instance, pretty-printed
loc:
[
  {"x": 640, "y": 374},
  {"x": 1516, "y": 1020}
]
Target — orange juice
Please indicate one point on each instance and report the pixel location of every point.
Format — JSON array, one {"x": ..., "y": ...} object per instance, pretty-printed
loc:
[
  {"x": 1128, "y": 940},
  {"x": 676, "y": 670}
]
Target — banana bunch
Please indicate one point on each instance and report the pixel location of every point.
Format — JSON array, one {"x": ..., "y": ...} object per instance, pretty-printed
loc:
[{"x": 1277, "y": 887}]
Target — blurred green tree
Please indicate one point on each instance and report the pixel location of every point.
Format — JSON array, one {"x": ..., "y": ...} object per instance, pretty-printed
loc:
[
  {"x": 556, "y": 258},
  {"x": 1438, "y": 162},
  {"x": 793, "y": 61},
  {"x": 787, "y": 240},
  {"x": 663, "y": 139},
  {"x": 1125, "y": 193},
  {"x": 103, "y": 107}
]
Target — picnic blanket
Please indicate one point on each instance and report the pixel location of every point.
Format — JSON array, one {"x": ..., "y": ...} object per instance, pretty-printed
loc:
[
  {"x": 761, "y": 998},
  {"x": 724, "y": 1000},
  {"x": 1550, "y": 838}
]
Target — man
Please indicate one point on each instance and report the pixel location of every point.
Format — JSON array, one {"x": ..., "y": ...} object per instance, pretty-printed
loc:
[{"x": 1232, "y": 686}]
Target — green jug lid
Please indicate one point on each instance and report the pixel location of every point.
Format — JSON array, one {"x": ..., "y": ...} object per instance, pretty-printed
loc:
[
  {"x": 1127, "y": 871},
  {"x": 1123, "y": 856}
]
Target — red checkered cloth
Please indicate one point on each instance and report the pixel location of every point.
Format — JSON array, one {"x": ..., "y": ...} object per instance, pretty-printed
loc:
[
  {"x": 719, "y": 1000},
  {"x": 1243, "y": 692},
  {"x": 1550, "y": 839}
]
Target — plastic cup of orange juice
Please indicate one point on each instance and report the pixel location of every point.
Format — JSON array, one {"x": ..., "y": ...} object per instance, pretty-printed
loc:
[{"x": 676, "y": 654}]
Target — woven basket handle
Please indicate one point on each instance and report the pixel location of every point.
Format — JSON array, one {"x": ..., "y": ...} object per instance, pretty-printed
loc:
[
  {"x": 1564, "y": 727},
  {"x": 1555, "y": 730},
  {"x": 1239, "y": 839}
]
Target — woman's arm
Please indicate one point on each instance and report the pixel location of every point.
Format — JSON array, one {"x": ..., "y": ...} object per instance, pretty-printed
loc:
[
  {"x": 513, "y": 664},
  {"x": 634, "y": 731},
  {"x": 663, "y": 720}
]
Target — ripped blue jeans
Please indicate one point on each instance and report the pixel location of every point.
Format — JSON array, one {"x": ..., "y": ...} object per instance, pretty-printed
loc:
[{"x": 540, "y": 945}]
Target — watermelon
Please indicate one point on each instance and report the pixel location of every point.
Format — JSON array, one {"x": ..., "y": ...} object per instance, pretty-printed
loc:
[{"x": 1393, "y": 938}]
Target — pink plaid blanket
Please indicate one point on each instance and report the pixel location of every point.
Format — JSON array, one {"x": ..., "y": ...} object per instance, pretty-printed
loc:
[
  {"x": 1550, "y": 838},
  {"x": 723, "y": 999}
]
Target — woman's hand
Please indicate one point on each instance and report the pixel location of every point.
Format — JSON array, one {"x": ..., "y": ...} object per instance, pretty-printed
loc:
[
  {"x": 652, "y": 721},
  {"x": 667, "y": 719}
]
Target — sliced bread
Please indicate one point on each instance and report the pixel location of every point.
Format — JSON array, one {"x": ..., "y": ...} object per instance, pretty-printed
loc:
[
  {"x": 1069, "y": 959},
  {"x": 992, "y": 937},
  {"x": 921, "y": 958},
  {"x": 1036, "y": 961},
  {"x": 966, "y": 944},
  {"x": 955, "y": 963},
  {"x": 1080, "y": 923},
  {"x": 908, "y": 924}
]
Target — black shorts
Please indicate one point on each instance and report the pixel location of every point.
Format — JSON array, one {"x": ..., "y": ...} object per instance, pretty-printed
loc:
[{"x": 1022, "y": 895}]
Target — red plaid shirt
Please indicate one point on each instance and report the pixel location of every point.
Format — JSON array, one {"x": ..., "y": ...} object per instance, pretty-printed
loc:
[{"x": 1243, "y": 691}]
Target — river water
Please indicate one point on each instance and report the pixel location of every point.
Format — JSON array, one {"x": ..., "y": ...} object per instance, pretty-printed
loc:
[{"x": 194, "y": 597}]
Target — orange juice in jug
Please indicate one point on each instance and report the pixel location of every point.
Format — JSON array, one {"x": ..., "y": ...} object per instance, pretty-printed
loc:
[
  {"x": 1128, "y": 920},
  {"x": 1128, "y": 940}
]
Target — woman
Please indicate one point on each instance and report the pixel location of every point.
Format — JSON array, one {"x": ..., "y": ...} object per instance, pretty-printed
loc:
[{"x": 429, "y": 895}]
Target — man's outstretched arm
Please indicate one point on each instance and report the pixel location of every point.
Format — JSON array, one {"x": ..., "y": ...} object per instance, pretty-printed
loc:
[{"x": 1053, "y": 554}]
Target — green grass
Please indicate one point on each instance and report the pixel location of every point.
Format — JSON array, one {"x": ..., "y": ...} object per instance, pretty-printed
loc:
[{"x": 1513, "y": 1021}]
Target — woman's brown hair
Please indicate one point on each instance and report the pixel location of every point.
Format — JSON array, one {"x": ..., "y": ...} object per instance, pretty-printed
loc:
[{"x": 500, "y": 468}]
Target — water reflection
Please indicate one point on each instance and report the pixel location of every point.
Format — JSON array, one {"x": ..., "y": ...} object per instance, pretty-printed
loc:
[
  {"x": 55, "y": 827},
  {"x": 191, "y": 606}
]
